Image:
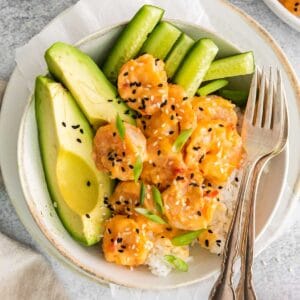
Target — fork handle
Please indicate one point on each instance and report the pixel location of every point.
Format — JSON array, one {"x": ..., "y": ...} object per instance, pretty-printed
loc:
[
  {"x": 223, "y": 288},
  {"x": 245, "y": 289}
]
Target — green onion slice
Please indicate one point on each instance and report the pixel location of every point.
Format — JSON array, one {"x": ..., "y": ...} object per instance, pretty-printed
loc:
[
  {"x": 182, "y": 139},
  {"x": 151, "y": 216},
  {"x": 157, "y": 199},
  {"x": 120, "y": 127},
  {"x": 177, "y": 263},
  {"x": 142, "y": 193},
  {"x": 137, "y": 169},
  {"x": 186, "y": 238}
]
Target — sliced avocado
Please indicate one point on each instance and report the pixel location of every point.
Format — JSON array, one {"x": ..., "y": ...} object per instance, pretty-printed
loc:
[
  {"x": 95, "y": 95},
  {"x": 76, "y": 187}
]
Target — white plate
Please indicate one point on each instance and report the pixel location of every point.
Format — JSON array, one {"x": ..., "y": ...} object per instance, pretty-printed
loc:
[
  {"x": 284, "y": 14},
  {"x": 266, "y": 52}
]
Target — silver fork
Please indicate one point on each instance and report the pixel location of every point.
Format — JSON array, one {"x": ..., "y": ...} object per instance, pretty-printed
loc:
[
  {"x": 245, "y": 289},
  {"x": 262, "y": 129}
]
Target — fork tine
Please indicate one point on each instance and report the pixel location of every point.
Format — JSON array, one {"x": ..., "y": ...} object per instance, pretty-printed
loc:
[
  {"x": 278, "y": 104},
  {"x": 269, "y": 100},
  {"x": 261, "y": 99},
  {"x": 250, "y": 108}
]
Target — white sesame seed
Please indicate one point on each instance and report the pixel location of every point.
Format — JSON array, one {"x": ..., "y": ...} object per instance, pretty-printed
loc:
[
  {"x": 131, "y": 68},
  {"x": 163, "y": 125},
  {"x": 155, "y": 143},
  {"x": 151, "y": 97},
  {"x": 161, "y": 91},
  {"x": 155, "y": 131}
]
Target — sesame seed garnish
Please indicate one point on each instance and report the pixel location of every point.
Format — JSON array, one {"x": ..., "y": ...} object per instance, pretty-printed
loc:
[
  {"x": 209, "y": 184},
  {"x": 158, "y": 152},
  {"x": 221, "y": 125},
  {"x": 209, "y": 129},
  {"x": 169, "y": 229},
  {"x": 123, "y": 154},
  {"x": 210, "y": 231},
  {"x": 236, "y": 179},
  {"x": 179, "y": 178},
  {"x": 78, "y": 140},
  {"x": 118, "y": 202},
  {"x": 173, "y": 107},
  {"x": 218, "y": 241},
  {"x": 110, "y": 100},
  {"x": 199, "y": 213},
  {"x": 123, "y": 169},
  {"x": 88, "y": 183},
  {"x": 194, "y": 184},
  {"x": 201, "y": 158},
  {"x": 130, "y": 166},
  {"x": 87, "y": 215},
  {"x": 192, "y": 175},
  {"x": 81, "y": 131},
  {"x": 172, "y": 117},
  {"x": 75, "y": 126},
  {"x": 112, "y": 240},
  {"x": 123, "y": 246},
  {"x": 171, "y": 132},
  {"x": 125, "y": 74},
  {"x": 109, "y": 231},
  {"x": 119, "y": 240},
  {"x": 133, "y": 91},
  {"x": 196, "y": 148},
  {"x": 200, "y": 108},
  {"x": 137, "y": 230},
  {"x": 127, "y": 112},
  {"x": 120, "y": 250},
  {"x": 207, "y": 243},
  {"x": 63, "y": 124},
  {"x": 114, "y": 133},
  {"x": 185, "y": 98},
  {"x": 160, "y": 85},
  {"x": 220, "y": 187}
]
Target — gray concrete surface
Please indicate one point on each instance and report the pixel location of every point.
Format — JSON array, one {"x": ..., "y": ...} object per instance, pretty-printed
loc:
[{"x": 277, "y": 269}]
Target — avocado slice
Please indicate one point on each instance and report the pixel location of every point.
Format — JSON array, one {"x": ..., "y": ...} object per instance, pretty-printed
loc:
[
  {"x": 76, "y": 187},
  {"x": 95, "y": 95}
]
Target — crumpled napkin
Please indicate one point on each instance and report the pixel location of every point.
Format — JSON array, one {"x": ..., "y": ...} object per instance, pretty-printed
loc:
[{"x": 25, "y": 274}]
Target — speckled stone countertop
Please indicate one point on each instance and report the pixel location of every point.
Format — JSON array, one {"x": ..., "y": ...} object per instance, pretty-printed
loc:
[{"x": 277, "y": 269}]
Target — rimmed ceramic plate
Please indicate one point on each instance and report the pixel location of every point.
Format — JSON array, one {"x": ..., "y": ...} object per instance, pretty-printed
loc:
[
  {"x": 284, "y": 14},
  {"x": 275, "y": 186}
]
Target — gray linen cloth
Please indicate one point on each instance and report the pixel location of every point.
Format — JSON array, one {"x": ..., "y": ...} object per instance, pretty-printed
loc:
[{"x": 25, "y": 274}]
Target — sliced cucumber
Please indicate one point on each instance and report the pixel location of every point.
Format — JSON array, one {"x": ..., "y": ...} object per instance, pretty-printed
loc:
[
  {"x": 241, "y": 64},
  {"x": 195, "y": 65},
  {"x": 131, "y": 39},
  {"x": 177, "y": 54},
  {"x": 161, "y": 40},
  {"x": 238, "y": 97},
  {"x": 212, "y": 87}
]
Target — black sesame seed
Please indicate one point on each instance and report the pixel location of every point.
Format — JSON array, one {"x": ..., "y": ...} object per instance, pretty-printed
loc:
[
  {"x": 81, "y": 131},
  {"x": 220, "y": 187},
  {"x": 194, "y": 184},
  {"x": 218, "y": 241},
  {"x": 114, "y": 133},
  {"x": 133, "y": 92},
  {"x": 119, "y": 102},
  {"x": 132, "y": 100},
  {"x": 210, "y": 231},
  {"x": 112, "y": 240},
  {"x": 87, "y": 215},
  {"x": 146, "y": 98},
  {"x": 109, "y": 231},
  {"x": 169, "y": 229},
  {"x": 123, "y": 154},
  {"x": 130, "y": 166},
  {"x": 78, "y": 140},
  {"x": 160, "y": 85},
  {"x": 236, "y": 179},
  {"x": 154, "y": 165},
  {"x": 110, "y": 100},
  {"x": 172, "y": 117},
  {"x": 128, "y": 208},
  {"x": 162, "y": 237},
  {"x": 199, "y": 213},
  {"x": 207, "y": 243},
  {"x": 75, "y": 126},
  {"x": 200, "y": 108},
  {"x": 123, "y": 169},
  {"x": 126, "y": 202},
  {"x": 209, "y": 129},
  {"x": 158, "y": 152},
  {"x": 63, "y": 124},
  {"x": 196, "y": 148},
  {"x": 125, "y": 74},
  {"x": 192, "y": 175},
  {"x": 179, "y": 178},
  {"x": 118, "y": 202},
  {"x": 209, "y": 184},
  {"x": 201, "y": 158},
  {"x": 173, "y": 107},
  {"x": 119, "y": 240},
  {"x": 123, "y": 246},
  {"x": 120, "y": 250},
  {"x": 171, "y": 132},
  {"x": 137, "y": 230},
  {"x": 221, "y": 125},
  {"x": 185, "y": 98},
  {"x": 88, "y": 183},
  {"x": 127, "y": 112}
]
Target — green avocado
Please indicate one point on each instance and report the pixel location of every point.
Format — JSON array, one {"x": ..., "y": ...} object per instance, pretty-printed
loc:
[
  {"x": 93, "y": 92},
  {"x": 76, "y": 187}
]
